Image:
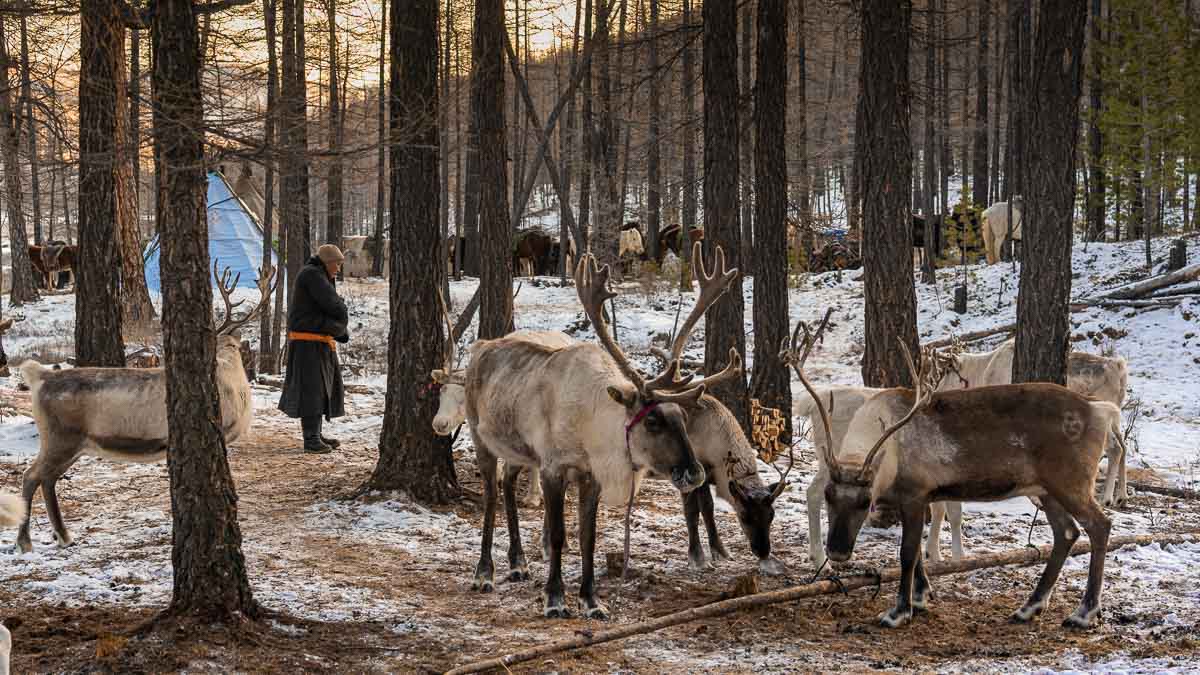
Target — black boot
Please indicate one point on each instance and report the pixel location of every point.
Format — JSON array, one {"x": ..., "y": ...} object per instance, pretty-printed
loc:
[
  {"x": 331, "y": 442},
  {"x": 311, "y": 427}
]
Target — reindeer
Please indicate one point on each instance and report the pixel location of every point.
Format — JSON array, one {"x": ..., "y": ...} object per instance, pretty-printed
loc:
[
  {"x": 121, "y": 413},
  {"x": 945, "y": 445},
  {"x": 581, "y": 413},
  {"x": 12, "y": 512}
]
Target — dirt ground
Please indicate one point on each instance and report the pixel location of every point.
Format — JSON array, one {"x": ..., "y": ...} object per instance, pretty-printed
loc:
[{"x": 439, "y": 623}]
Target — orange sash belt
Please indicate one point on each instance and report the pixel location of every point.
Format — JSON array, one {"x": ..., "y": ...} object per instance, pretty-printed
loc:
[{"x": 312, "y": 337}]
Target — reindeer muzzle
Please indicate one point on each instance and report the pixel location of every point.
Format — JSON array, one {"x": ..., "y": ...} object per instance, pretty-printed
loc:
[{"x": 687, "y": 479}]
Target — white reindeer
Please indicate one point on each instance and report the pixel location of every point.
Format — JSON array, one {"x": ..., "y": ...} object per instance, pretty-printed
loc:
[
  {"x": 121, "y": 413},
  {"x": 12, "y": 512},
  {"x": 995, "y": 227}
]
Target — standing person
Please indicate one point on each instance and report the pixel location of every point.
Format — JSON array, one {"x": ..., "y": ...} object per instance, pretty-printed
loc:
[{"x": 317, "y": 320}]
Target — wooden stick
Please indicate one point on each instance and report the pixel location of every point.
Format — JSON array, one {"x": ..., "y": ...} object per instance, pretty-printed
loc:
[
  {"x": 1182, "y": 493},
  {"x": 1026, "y": 556},
  {"x": 1182, "y": 289},
  {"x": 1106, "y": 302},
  {"x": 974, "y": 335},
  {"x": 1141, "y": 288}
]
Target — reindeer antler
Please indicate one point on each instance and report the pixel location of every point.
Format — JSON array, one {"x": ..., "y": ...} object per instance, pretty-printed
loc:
[
  {"x": 790, "y": 354},
  {"x": 448, "y": 350},
  {"x": 712, "y": 287},
  {"x": 591, "y": 284},
  {"x": 265, "y": 288},
  {"x": 922, "y": 393}
]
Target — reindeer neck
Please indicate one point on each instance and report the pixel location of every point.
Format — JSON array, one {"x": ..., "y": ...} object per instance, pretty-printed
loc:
[{"x": 715, "y": 435}]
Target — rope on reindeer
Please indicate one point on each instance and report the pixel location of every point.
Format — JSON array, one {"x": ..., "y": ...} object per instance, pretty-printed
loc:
[{"x": 1027, "y": 556}]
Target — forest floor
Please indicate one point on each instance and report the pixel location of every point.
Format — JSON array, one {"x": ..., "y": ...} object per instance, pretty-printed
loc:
[{"x": 383, "y": 585}]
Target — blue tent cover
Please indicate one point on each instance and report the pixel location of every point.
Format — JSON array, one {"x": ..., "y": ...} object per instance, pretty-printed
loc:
[{"x": 235, "y": 238}]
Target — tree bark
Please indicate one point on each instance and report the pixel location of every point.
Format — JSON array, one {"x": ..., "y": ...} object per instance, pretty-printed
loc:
[
  {"x": 1096, "y": 227},
  {"x": 688, "y": 128},
  {"x": 138, "y": 314},
  {"x": 335, "y": 219},
  {"x": 803, "y": 180},
  {"x": 771, "y": 383},
  {"x": 1043, "y": 314},
  {"x": 745, "y": 145},
  {"x": 206, "y": 556},
  {"x": 653, "y": 159},
  {"x": 31, "y": 128},
  {"x": 724, "y": 322},
  {"x": 980, "y": 188},
  {"x": 23, "y": 289},
  {"x": 268, "y": 341},
  {"x": 885, "y": 147},
  {"x": 567, "y": 156},
  {"x": 98, "y": 315},
  {"x": 410, "y": 457},
  {"x": 587, "y": 131},
  {"x": 293, "y": 189},
  {"x": 495, "y": 273},
  {"x": 930, "y": 155},
  {"x": 608, "y": 210},
  {"x": 381, "y": 156}
]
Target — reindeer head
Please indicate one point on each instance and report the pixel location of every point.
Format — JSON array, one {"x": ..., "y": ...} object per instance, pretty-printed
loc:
[
  {"x": 848, "y": 495},
  {"x": 450, "y": 383},
  {"x": 655, "y": 409},
  {"x": 229, "y": 331}
]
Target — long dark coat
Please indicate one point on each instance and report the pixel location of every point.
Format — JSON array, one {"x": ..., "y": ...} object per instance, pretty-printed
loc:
[{"x": 313, "y": 385}]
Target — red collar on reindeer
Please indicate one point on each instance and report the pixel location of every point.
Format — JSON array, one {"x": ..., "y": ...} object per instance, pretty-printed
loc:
[{"x": 641, "y": 415}]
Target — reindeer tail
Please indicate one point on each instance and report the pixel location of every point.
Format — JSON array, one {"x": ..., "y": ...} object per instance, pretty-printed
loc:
[
  {"x": 31, "y": 373},
  {"x": 12, "y": 510}
]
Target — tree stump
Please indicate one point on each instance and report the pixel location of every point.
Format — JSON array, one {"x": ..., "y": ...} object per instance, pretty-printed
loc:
[
  {"x": 1178, "y": 259},
  {"x": 960, "y": 299}
]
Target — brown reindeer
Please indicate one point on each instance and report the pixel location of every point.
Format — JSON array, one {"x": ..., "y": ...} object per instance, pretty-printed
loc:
[
  {"x": 121, "y": 413},
  {"x": 51, "y": 262},
  {"x": 946, "y": 446},
  {"x": 581, "y": 413}
]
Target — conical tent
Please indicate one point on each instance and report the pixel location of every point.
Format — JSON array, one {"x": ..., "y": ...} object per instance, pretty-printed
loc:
[{"x": 235, "y": 238}]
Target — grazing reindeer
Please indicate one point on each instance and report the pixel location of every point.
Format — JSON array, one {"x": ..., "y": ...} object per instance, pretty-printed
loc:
[
  {"x": 121, "y": 413},
  {"x": 945, "y": 445},
  {"x": 12, "y": 512},
  {"x": 581, "y": 413}
]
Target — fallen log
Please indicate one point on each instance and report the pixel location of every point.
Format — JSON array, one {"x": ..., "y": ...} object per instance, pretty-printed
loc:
[
  {"x": 1146, "y": 286},
  {"x": 1026, "y": 556},
  {"x": 1182, "y": 289},
  {"x": 1182, "y": 493},
  {"x": 973, "y": 336},
  {"x": 1084, "y": 303}
]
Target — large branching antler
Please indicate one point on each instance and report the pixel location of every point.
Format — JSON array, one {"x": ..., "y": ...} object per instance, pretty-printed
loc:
[
  {"x": 712, "y": 287},
  {"x": 922, "y": 376},
  {"x": 794, "y": 355},
  {"x": 226, "y": 286}
]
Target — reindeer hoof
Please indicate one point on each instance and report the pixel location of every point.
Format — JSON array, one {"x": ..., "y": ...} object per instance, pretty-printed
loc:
[
  {"x": 699, "y": 562},
  {"x": 771, "y": 567},
  {"x": 556, "y": 612},
  {"x": 590, "y": 609},
  {"x": 65, "y": 540},
  {"x": 483, "y": 583},
  {"x": 518, "y": 574},
  {"x": 1080, "y": 620},
  {"x": 895, "y": 617},
  {"x": 718, "y": 555},
  {"x": 1026, "y": 613}
]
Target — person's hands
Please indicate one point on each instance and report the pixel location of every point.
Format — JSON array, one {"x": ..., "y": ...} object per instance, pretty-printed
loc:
[{"x": 343, "y": 338}]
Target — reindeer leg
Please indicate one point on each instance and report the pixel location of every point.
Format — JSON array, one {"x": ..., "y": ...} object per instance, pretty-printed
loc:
[
  {"x": 815, "y": 499},
  {"x": 533, "y": 498},
  {"x": 50, "y": 496},
  {"x": 1113, "y": 452},
  {"x": 485, "y": 570},
  {"x": 697, "y": 558},
  {"x": 933, "y": 547},
  {"x": 589, "y": 504},
  {"x": 517, "y": 566},
  {"x": 954, "y": 509},
  {"x": 554, "y": 488},
  {"x": 912, "y": 517},
  {"x": 1065, "y": 534},
  {"x": 29, "y": 487},
  {"x": 1097, "y": 525},
  {"x": 716, "y": 548}
]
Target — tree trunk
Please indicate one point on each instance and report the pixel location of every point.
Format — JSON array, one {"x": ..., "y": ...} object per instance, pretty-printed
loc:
[
  {"x": 410, "y": 457},
  {"x": 725, "y": 320},
  {"x": 568, "y": 153},
  {"x": 885, "y": 147},
  {"x": 999, "y": 64},
  {"x": 929, "y": 195},
  {"x": 1096, "y": 227},
  {"x": 335, "y": 219},
  {"x": 965, "y": 145},
  {"x": 138, "y": 314},
  {"x": 495, "y": 273},
  {"x": 23, "y": 289},
  {"x": 608, "y": 211},
  {"x": 771, "y": 383},
  {"x": 803, "y": 180},
  {"x": 653, "y": 160},
  {"x": 1043, "y": 315},
  {"x": 268, "y": 341},
  {"x": 206, "y": 556},
  {"x": 31, "y": 128},
  {"x": 980, "y": 188},
  {"x": 98, "y": 315},
  {"x": 293, "y": 190},
  {"x": 303, "y": 191},
  {"x": 946, "y": 158},
  {"x": 587, "y": 131},
  {"x": 688, "y": 127},
  {"x": 381, "y": 155},
  {"x": 444, "y": 144},
  {"x": 745, "y": 144},
  {"x": 135, "y": 120}
]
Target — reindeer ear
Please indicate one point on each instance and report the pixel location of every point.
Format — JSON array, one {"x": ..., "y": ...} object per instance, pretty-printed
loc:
[
  {"x": 736, "y": 491},
  {"x": 440, "y": 376},
  {"x": 627, "y": 398}
]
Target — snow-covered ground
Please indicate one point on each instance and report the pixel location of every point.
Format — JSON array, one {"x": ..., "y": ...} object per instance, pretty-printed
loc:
[{"x": 321, "y": 558}]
